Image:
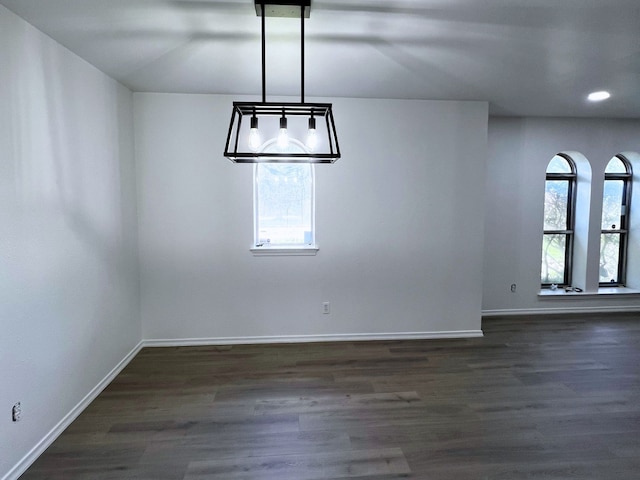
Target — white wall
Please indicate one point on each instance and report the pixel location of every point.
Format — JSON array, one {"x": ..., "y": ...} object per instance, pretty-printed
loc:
[
  {"x": 399, "y": 224},
  {"x": 519, "y": 151},
  {"x": 69, "y": 307}
]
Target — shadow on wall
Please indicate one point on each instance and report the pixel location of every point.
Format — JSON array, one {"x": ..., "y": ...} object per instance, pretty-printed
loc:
[{"x": 68, "y": 154}]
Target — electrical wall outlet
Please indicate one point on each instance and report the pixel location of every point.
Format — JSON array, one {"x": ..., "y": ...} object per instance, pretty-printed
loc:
[
  {"x": 16, "y": 412},
  {"x": 326, "y": 308}
]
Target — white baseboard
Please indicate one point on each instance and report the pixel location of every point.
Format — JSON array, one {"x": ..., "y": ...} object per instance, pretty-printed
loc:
[
  {"x": 556, "y": 310},
  {"x": 348, "y": 337},
  {"x": 55, "y": 432}
]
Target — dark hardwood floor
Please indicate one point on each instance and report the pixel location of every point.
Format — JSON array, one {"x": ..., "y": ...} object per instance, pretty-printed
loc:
[{"x": 537, "y": 397}]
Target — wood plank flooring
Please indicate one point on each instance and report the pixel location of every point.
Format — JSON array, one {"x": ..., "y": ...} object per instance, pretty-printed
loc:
[{"x": 536, "y": 398}]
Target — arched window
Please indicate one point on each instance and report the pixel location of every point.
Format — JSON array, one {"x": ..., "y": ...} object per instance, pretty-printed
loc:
[
  {"x": 559, "y": 206},
  {"x": 616, "y": 200},
  {"x": 284, "y": 201}
]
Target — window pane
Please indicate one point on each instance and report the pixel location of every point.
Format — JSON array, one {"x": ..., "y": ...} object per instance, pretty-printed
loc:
[
  {"x": 556, "y": 198},
  {"x": 609, "y": 257},
  {"x": 612, "y": 204},
  {"x": 616, "y": 166},
  {"x": 553, "y": 258},
  {"x": 284, "y": 203},
  {"x": 559, "y": 164}
]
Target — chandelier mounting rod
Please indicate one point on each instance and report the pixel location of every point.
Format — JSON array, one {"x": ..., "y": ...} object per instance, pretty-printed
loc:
[
  {"x": 282, "y": 8},
  {"x": 301, "y": 54},
  {"x": 264, "y": 59}
]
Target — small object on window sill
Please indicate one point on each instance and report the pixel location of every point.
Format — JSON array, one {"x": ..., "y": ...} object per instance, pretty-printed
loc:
[
  {"x": 569, "y": 288},
  {"x": 553, "y": 286}
]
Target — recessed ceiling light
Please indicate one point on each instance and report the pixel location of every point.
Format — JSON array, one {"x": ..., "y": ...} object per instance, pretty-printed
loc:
[{"x": 598, "y": 96}]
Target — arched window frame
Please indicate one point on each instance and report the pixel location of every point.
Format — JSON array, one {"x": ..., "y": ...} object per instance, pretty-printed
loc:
[
  {"x": 569, "y": 230},
  {"x": 307, "y": 242},
  {"x": 623, "y": 230}
]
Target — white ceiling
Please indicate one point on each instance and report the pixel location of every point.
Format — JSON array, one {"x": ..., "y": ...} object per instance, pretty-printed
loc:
[{"x": 526, "y": 57}]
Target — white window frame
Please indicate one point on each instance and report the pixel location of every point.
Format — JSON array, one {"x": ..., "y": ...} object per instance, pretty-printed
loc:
[
  {"x": 282, "y": 249},
  {"x": 623, "y": 228},
  {"x": 569, "y": 230}
]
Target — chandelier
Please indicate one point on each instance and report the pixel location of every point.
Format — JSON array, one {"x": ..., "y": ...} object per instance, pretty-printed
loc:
[{"x": 294, "y": 132}]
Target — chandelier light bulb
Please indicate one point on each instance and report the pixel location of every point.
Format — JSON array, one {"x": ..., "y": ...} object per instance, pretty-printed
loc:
[
  {"x": 312, "y": 140},
  {"x": 283, "y": 136},
  {"x": 254, "y": 135},
  {"x": 312, "y": 137}
]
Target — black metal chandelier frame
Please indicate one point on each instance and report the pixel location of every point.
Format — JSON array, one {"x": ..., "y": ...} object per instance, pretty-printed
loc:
[{"x": 254, "y": 110}]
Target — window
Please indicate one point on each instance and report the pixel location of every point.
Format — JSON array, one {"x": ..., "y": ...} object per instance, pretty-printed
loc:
[
  {"x": 559, "y": 202},
  {"x": 615, "y": 221},
  {"x": 284, "y": 203}
]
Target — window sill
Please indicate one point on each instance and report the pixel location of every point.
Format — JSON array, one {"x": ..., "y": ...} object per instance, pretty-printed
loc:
[
  {"x": 307, "y": 250},
  {"x": 602, "y": 291}
]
